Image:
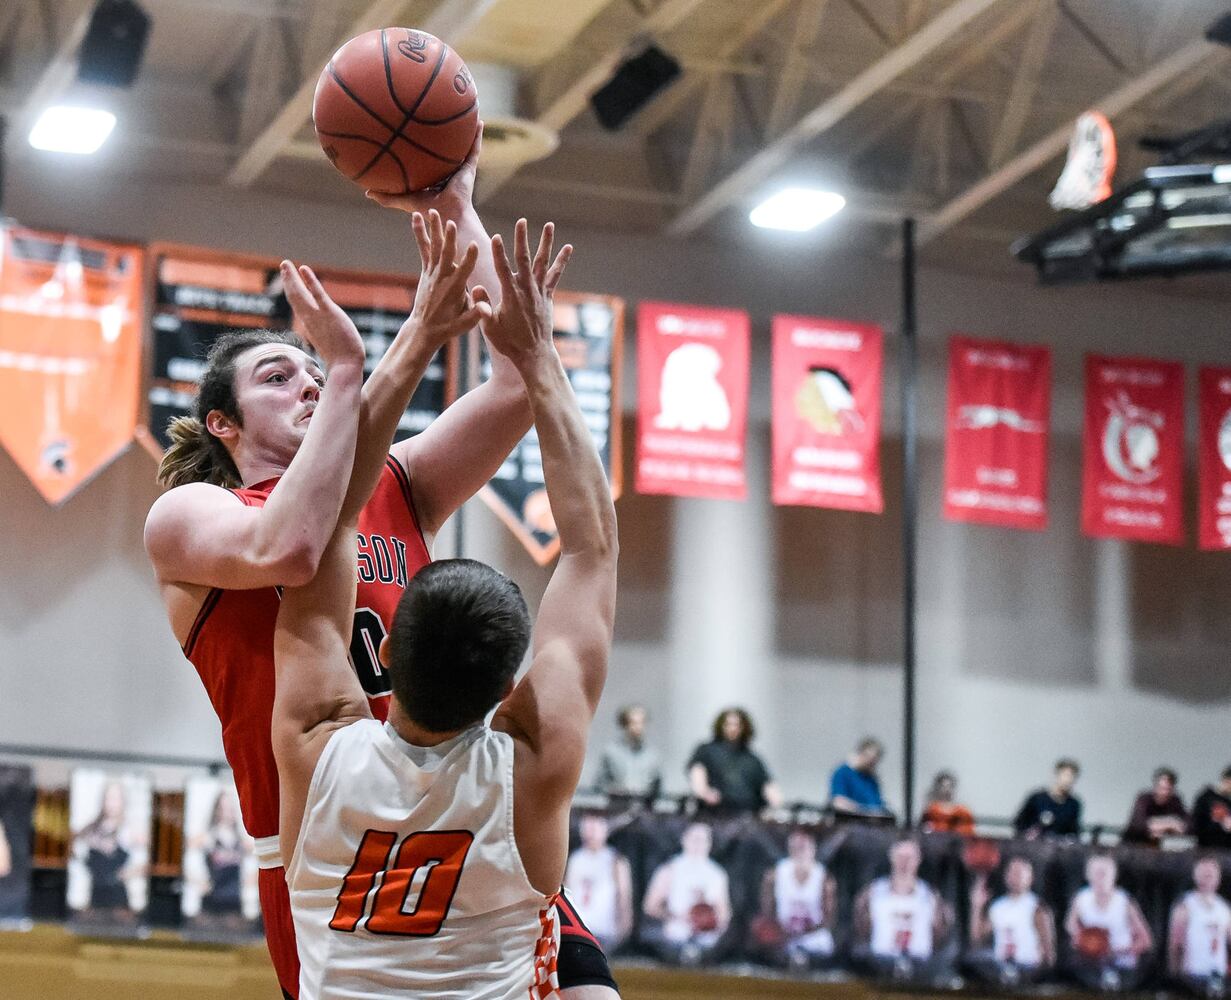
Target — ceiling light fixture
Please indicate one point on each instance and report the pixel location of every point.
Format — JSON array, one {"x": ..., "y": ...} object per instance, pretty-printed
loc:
[
  {"x": 66, "y": 129},
  {"x": 797, "y": 209}
]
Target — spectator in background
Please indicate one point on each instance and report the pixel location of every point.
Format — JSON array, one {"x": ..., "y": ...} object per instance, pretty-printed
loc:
[
  {"x": 798, "y": 906},
  {"x": 725, "y": 774},
  {"x": 1157, "y": 813},
  {"x": 942, "y": 814},
  {"x": 1055, "y": 811},
  {"x": 1200, "y": 929},
  {"x": 854, "y": 788},
  {"x": 1212, "y": 814},
  {"x": 629, "y": 766}
]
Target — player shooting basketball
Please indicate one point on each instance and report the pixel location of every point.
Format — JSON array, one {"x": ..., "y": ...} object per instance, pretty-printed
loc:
[
  {"x": 259, "y": 478},
  {"x": 411, "y": 873}
]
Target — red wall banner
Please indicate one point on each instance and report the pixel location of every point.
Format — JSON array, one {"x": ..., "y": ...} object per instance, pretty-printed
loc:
[
  {"x": 1133, "y": 450},
  {"x": 692, "y": 400},
  {"x": 70, "y": 354},
  {"x": 827, "y": 413},
  {"x": 1214, "y": 458},
  {"x": 996, "y": 433}
]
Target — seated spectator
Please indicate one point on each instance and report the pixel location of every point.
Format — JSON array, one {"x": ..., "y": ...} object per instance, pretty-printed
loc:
[
  {"x": 1200, "y": 930},
  {"x": 899, "y": 919},
  {"x": 1055, "y": 811},
  {"x": 1157, "y": 813},
  {"x": 798, "y": 906},
  {"x": 600, "y": 884},
  {"x": 690, "y": 895},
  {"x": 1018, "y": 926},
  {"x": 629, "y": 766},
  {"x": 942, "y": 814},
  {"x": 854, "y": 788},
  {"x": 1107, "y": 931},
  {"x": 725, "y": 774},
  {"x": 1212, "y": 814}
]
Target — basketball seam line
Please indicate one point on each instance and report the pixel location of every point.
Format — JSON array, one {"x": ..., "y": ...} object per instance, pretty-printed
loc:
[
  {"x": 397, "y": 133},
  {"x": 445, "y": 121},
  {"x": 384, "y": 51}
]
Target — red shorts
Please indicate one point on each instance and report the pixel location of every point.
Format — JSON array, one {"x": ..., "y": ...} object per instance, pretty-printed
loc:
[{"x": 279, "y": 928}]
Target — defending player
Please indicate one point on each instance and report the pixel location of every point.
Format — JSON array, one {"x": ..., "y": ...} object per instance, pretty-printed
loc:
[
  {"x": 411, "y": 873},
  {"x": 224, "y": 540}
]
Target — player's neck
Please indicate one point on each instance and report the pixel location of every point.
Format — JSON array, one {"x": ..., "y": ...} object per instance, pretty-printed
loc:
[
  {"x": 413, "y": 733},
  {"x": 257, "y": 464}
]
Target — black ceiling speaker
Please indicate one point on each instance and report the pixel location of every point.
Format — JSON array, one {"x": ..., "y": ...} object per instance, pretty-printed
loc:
[
  {"x": 1220, "y": 31},
  {"x": 635, "y": 82},
  {"x": 114, "y": 44}
]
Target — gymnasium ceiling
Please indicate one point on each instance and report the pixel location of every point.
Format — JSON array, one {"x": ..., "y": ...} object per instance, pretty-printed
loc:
[{"x": 953, "y": 111}]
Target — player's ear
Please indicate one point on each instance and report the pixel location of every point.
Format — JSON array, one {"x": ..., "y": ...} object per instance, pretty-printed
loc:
[
  {"x": 383, "y": 652},
  {"x": 221, "y": 426}
]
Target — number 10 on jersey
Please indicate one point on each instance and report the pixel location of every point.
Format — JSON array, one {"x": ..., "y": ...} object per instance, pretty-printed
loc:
[{"x": 441, "y": 855}]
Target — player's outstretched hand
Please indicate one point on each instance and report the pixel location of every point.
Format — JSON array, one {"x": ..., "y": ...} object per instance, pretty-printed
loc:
[
  {"x": 521, "y": 325},
  {"x": 326, "y": 327},
  {"x": 449, "y": 198},
  {"x": 443, "y": 307}
]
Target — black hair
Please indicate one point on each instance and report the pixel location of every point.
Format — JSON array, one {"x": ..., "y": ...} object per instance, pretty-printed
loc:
[
  {"x": 459, "y": 635},
  {"x": 746, "y": 729}
]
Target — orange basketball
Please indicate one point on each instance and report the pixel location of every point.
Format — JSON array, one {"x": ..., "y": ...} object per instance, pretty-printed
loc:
[{"x": 396, "y": 110}]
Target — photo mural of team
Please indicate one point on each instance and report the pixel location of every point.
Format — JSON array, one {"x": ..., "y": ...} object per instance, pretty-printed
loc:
[{"x": 256, "y": 489}]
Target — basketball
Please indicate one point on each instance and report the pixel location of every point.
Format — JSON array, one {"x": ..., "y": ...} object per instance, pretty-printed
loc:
[{"x": 395, "y": 110}]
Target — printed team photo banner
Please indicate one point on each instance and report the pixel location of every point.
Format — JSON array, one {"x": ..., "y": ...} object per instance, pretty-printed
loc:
[
  {"x": 589, "y": 337},
  {"x": 827, "y": 413},
  {"x": 1133, "y": 450},
  {"x": 1214, "y": 459},
  {"x": 996, "y": 433},
  {"x": 692, "y": 401},
  {"x": 200, "y": 294},
  {"x": 70, "y": 354}
]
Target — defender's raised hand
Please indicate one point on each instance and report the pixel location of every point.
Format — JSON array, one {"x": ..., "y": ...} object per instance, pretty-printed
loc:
[
  {"x": 521, "y": 324},
  {"x": 443, "y": 308},
  {"x": 326, "y": 327}
]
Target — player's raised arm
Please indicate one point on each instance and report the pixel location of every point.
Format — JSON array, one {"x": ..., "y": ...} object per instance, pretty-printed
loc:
[
  {"x": 441, "y": 311},
  {"x": 200, "y": 534},
  {"x": 550, "y": 711},
  {"x": 465, "y": 445}
]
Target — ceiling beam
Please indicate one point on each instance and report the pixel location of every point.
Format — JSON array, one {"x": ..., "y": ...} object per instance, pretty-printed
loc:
[
  {"x": 60, "y": 68},
  {"x": 939, "y": 31},
  {"x": 451, "y": 20},
  {"x": 1025, "y": 84},
  {"x": 556, "y": 112},
  {"x": 795, "y": 69},
  {"x": 711, "y": 137},
  {"x": 1186, "y": 60},
  {"x": 666, "y": 104}
]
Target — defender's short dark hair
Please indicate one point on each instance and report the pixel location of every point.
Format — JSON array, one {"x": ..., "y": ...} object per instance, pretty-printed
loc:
[
  {"x": 459, "y": 635},
  {"x": 1067, "y": 764}
]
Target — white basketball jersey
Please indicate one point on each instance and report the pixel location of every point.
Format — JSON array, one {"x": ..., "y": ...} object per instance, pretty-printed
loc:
[
  {"x": 902, "y": 923},
  {"x": 1205, "y": 947},
  {"x": 591, "y": 882},
  {"x": 693, "y": 881},
  {"x": 1113, "y": 919},
  {"x": 798, "y": 904},
  {"x": 1015, "y": 937},
  {"x": 407, "y": 882}
]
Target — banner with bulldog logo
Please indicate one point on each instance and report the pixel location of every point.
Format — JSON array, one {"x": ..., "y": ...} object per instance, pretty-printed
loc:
[
  {"x": 996, "y": 433},
  {"x": 1214, "y": 458},
  {"x": 827, "y": 413},
  {"x": 692, "y": 405},
  {"x": 1133, "y": 450},
  {"x": 70, "y": 354}
]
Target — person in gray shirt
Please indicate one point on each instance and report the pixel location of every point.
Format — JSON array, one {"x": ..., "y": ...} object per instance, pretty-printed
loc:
[{"x": 629, "y": 766}]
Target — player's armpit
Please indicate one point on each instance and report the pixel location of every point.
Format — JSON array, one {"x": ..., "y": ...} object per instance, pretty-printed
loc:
[{"x": 205, "y": 535}]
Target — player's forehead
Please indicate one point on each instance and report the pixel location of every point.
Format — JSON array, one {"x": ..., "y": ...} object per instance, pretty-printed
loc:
[{"x": 263, "y": 356}]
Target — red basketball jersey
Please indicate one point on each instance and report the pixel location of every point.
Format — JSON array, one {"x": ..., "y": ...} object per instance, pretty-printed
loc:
[{"x": 232, "y": 640}]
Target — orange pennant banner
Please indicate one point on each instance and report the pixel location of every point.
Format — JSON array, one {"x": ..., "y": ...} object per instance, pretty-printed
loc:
[{"x": 70, "y": 354}]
